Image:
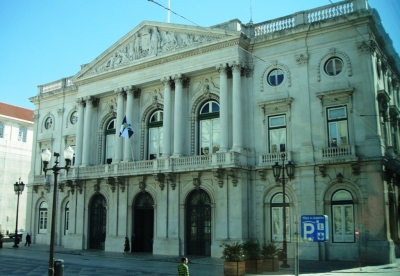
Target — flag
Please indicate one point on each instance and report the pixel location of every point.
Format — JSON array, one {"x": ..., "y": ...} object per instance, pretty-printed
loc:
[{"x": 126, "y": 129}]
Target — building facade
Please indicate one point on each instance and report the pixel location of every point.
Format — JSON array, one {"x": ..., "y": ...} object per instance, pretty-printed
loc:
[
  {"x": 16, "y": 136},
  {"x": 212, "y": 110}
]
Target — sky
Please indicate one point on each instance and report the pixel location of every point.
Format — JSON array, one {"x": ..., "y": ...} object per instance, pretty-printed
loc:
[{"x": 45, "y": 40}]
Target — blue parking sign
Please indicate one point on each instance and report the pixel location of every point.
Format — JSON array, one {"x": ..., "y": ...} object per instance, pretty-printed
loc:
[{"x": 314, "y": 228}]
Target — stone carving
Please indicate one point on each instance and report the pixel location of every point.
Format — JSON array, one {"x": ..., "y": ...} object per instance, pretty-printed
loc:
[
  {"x": 196, "y": 183},
  {"x": 142, "y": 187},
  {"x": 159, "y": 178},
  {"x": 219, "y": 175},
  {"x": 151, "y": 41},
  {"x": 35, "y": 189},
  {"x": 170, "y": 179},
  {"x": 301, "y": 59},
  {"x": 111, "y": 183}
]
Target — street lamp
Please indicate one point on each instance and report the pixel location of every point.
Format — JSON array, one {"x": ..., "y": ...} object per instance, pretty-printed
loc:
[
  {"x": 46, "y": 156},
  {"x": 18, "y": 188},
  {"x": 277, "y": 174}
]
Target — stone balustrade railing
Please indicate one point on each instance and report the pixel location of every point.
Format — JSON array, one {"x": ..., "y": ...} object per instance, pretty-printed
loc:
[
  {"x": 341, "y": 151},
  {"x": 309, "y": 16},
  {"x": 65, "y": 82},
  {"x": 269, "y": 159}
]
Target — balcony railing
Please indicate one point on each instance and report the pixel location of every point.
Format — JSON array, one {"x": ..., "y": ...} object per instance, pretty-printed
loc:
[
  {"x": 341, "y": 151},
  {"x": 269, "y": 159}
]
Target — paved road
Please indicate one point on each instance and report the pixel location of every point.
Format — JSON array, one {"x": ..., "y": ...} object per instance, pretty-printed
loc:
[{"x": 33, "y": 260}]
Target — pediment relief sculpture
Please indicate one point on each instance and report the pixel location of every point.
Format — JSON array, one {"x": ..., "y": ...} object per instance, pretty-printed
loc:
[{"x": 151, "y": 41}]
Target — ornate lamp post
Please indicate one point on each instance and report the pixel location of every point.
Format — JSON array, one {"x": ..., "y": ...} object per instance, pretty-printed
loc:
[
  {"x": 277, "y": 174},
  {"x": 18, "y": 188},
  {"x": 46, "y": 156}
]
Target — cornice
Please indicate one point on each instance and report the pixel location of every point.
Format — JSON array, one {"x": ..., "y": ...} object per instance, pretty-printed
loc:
[{"x": 156, "y": 61}]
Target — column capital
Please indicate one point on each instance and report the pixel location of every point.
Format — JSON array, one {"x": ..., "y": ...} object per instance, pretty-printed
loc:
[
  {"x": 222, "y": 68},
  {"x": 166, "y": 81},
  {"x": 80, "y": 101},
  {"x": 236, "y": 66},
  {"x": 120, "y": 92}
]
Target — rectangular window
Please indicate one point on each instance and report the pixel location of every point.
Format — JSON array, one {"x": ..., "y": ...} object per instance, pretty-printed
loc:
[
  {"x": 343, "y": 223},
  {"x": 42, "y": 222},
  {"x": 210, "y": 136},
  {"x": 66, "y": 222},
  {"x": 337, "y": 127},
  {"x": 110, "y": 141},
  {"x": 277, "y": 222},
  {"x": 277, "y": 134},
  {"x": 155, "y": 142}
]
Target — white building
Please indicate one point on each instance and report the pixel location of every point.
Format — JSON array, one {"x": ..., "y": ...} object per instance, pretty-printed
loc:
[
  {"x": 16, "y": 135},
  {"x": 212, "y": 110}
]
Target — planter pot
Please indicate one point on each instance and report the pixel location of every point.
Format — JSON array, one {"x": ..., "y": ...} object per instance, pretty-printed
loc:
[
  {"x": 254, "y": 266},
  {"x": 271, "y": 264},
  {"x": 234, "y": 268}
]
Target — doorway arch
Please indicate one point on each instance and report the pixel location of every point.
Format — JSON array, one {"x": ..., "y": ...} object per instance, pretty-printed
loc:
[
  {"x": 198, "y": 223},
  {"x": 143, "y": 223},
  {"x": 97, "y": 222}
]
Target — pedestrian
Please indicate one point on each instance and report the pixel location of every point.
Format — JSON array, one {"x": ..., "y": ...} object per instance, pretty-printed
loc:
[
  {"x": 28, "y": 240},
  {"x": 126, "y": 246},
  {"x": 183, "y": 269}
]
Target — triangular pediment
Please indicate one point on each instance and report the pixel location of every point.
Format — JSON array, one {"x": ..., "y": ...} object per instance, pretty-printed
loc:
[{"x": 152, "y": 40}]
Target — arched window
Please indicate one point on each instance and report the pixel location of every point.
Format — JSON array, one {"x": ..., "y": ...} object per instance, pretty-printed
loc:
[
  {"x": 43, "y": 218},
  {"x": 277, "y": 218},
  {"x": 22, "y": 134},
  {"x": 155, "y": 126},
  {"x": 1, "y": 130},
  {"x": 66, "y": 216},
  {"x": 209, "y": 128},
  {"x": 110, "y": 141},
  {"x": 342, "y": 217}
]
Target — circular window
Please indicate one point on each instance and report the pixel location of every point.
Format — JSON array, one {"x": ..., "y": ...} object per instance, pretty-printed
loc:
[
  {"x": 74, "y": 117},
  {"x": 48, "y": 123},
  {"x": 334, "y": 66},
  {"x": 275, "y": 77}
]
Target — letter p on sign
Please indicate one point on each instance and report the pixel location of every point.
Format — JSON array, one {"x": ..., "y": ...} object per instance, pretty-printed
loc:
[{"x": 357, "y": 233}]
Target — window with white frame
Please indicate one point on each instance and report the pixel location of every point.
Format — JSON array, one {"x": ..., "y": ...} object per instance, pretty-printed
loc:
[
  {"x": 66, "y": 222},
  {"x": 277, "y": 133},
  {"x": 277, "y": 218},
  {"x": 43, "y": 218},
  {"x": 342, "y": 216},
  {"x": 110, "y": 141},
  {"x": 209, "y": 128},
  {"x": 1, "y": 130},
  {"x": 22, "y": 134},
  {"x": 337, "y": 126},
  {"x": 275, "y": 77},
  {"x": 155, "y": 125},
  {"x": 333, "y": 66}
]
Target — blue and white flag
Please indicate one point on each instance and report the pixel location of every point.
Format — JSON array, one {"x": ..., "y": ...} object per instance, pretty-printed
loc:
[{"x": 126, "y": 129}]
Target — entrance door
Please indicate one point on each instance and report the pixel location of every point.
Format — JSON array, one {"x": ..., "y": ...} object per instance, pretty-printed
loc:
[
  {"x": 198, "y": 227},
  {"x": 98, "y": 219},
  {"x": 143, "y": 226}
]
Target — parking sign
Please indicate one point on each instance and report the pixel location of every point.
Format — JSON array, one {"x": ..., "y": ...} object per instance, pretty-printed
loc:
[{"x": 314, "y": 228}]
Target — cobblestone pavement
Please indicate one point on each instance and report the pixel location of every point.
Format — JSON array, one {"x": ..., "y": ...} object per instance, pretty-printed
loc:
[{"x": 33, "y": 260}]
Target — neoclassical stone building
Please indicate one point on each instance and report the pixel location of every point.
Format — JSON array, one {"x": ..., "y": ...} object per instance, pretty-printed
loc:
[{"x": 212, "y": 110}]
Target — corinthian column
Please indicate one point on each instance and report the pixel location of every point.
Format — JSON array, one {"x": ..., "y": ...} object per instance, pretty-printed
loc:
[
  {"x": 129, "y": 116},
  {"x": 87, "y": 131},
  {"x": 118, "y": 123},
  {"x": 178, "y": 118},
  {"x": 223, "y": 107},
  {"x": 79, "y": 133},
  {"x": 167, "y": 118},
  {"x": 236, "y": 108}
]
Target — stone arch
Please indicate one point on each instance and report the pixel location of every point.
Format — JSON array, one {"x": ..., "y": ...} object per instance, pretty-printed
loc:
[
  {"x": 276, "y": 65},
  {"x": 334, "y": 53},
  {"x": 67, "y": 120}
]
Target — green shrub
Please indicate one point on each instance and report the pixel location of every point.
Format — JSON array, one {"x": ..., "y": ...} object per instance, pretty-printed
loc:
[
  {"x": 252, "y": 250},
  {"x": 269, "y": 250},
  {"x": 232, "y": 252}
]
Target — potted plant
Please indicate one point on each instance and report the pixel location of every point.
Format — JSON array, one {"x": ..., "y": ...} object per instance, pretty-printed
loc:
[
  {"x": 269, "y": 252},
  {"x": 234, "y": 264},
  {"x": 252, "y": 255}
]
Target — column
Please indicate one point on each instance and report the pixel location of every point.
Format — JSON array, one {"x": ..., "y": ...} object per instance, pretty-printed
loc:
[
  {"x": 236, "y": 108},
  {"x": 87, "y": 131},
  {"x": 167, "y": 118},
  {"x": 128, "y": 150},
  {"x": 178, "y": 116},
  {"x": 120, "y": 116},
  {"x": 79, "y": 133},
  {"x": 223, "y": 107}
]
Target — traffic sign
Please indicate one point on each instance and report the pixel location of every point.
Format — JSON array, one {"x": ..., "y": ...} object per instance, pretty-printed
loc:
[{"x": 314, "y": 228}]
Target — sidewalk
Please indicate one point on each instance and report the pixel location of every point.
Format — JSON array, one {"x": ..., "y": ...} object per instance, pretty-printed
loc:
[{"x": 199, "y": 264}]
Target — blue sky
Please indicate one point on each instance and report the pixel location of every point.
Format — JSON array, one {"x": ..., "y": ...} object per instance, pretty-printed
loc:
[{"x": 45, "y": 40}]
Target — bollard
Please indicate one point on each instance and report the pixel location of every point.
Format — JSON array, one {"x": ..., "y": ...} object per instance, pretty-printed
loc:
[{"x": 58, "y": 267}]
